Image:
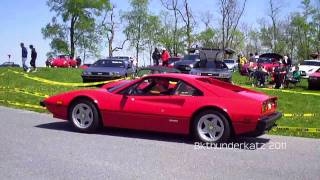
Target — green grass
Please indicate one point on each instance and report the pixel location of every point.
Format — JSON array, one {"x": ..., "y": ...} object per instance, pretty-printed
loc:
[{"x": 288, "y": 102}]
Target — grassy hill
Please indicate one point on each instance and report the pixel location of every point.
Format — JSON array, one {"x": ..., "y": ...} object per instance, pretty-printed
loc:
[{"x": 20, "y": 92}]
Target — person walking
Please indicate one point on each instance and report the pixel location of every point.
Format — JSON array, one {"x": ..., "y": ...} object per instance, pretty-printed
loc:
[
  {"x": 156, "y": 56},
  {"x": 24, "y": 57},
  {"x": 33, "y": 58},
  {"x": 165, "y": 57}
]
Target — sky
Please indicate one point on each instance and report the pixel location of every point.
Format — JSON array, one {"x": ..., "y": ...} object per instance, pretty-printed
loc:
[{"x": 22, "y": 20}]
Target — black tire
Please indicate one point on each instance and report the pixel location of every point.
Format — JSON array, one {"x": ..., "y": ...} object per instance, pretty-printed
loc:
[
  {"x": 96, "y": 120},
  {"x": 225, "y": 134}
]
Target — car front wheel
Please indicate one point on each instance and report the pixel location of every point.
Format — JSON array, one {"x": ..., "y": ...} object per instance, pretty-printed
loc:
[
  {"x": 84, "y": 116},
  {"x": 211, "y": 126}
]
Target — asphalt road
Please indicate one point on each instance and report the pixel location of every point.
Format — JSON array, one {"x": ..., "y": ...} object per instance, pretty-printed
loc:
[{"x": 36, "y": 146}]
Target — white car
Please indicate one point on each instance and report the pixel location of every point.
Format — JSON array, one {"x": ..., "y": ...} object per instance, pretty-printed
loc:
[
  {"x": 308, "y": 67},
  {"x": 231, "y": 63}
]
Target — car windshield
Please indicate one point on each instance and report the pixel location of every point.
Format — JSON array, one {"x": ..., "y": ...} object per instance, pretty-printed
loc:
[
  {"x": 212, "y": 64},
  {"x": 228, "y": 61},
  {"x": 109, "y": 63},
  {"x": 191, "y": 57},
  {"x": 264, "y": 60},
  {"x": 118, "y": 87},
  {"x": 311, "y": 63}
]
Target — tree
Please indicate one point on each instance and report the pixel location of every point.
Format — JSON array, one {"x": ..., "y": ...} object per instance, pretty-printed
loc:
[
  {"x": 108, "y": 28},
  {"x": 172, "y": 5},
  {"x": 188, "y": 20},
  {"x": 137, "y": 20},
  {"x": 207, "y": 38},
  {"x": 152, "y": 34},
  {"x": 77, "y": 19},
  {"x": 231, "y": 13},
  {"x": 273, "y": 14}
]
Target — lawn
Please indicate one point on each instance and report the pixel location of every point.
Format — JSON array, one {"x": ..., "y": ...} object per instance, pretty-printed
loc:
[{"x": 15, "y": 89}]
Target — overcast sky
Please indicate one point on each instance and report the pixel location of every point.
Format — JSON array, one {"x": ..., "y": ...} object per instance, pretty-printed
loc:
[{"x": 22, "y": 20}]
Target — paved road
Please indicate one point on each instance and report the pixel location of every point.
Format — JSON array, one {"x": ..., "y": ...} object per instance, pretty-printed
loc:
[{"x": 36, "y": 146}]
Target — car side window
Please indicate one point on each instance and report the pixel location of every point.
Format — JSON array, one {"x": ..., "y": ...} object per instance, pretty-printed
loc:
[
  {"x": 184, "y": 89},
  {"x": 155, "y": 86}
]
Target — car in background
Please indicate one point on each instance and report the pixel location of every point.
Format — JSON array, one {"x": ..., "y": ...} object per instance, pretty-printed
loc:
[
  {"x": 269, "y": 61},
  {"x": 187, "y": 62},
  {"x": 9, "y": 64},
  {"x": 308, "y": 67},
  {"x": 63, "y": 61},
  {"x": 211, "y": 64},
  {"x": 173, "y": 60},
  {"x": 141, "y": 72},
  {"x": 231, "y": 63},
  {"x": 211, "y": 111},
  {"x": 314, "y": 80},
  {"x": 107, "y": 69}
]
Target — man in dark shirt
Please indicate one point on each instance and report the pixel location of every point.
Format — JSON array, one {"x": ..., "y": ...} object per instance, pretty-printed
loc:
[
  {"x": 33, "y": 58},
  {"x": 24, "y": 57}
]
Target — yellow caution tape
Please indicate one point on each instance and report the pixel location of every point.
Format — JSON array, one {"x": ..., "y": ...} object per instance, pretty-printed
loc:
[
  {"x": 23, "y": 91},
  {"x": 64, "y": 84},
  {"x": 286, "y": 91},
  {"x": 299, "y": 129},
  {"x": 300, "y": 114},
  {"x": 22, "y": 104}
]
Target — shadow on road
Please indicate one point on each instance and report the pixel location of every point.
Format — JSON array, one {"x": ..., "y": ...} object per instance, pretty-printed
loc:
[{"x": 176, "y": 138}]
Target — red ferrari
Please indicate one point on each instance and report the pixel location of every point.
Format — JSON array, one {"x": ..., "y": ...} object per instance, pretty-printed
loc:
[
  {"x": 63, "y": 61},
  {"x": 211, "y": 110}
]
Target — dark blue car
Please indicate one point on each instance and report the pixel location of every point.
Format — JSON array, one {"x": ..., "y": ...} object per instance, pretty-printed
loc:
[{"x": 107, "y": 69}]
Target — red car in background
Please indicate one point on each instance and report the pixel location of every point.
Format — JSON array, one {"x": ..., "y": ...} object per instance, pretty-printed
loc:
[
  {"x": 269, "y": 61},
  {"x": 63, "y": 61},
  {"x": 85, "y": 66},
  {"x": 314, "y": 80},
  {"x": 212, "y": 110}
]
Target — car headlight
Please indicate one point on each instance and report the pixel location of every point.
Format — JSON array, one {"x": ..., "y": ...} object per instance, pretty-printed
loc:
[
  {"x": 310, "y": 70},
  {"x": 86, "y": 73},
  {"x": 223, "y": 75},
  {"x": 191, "y": 65},
  {"x": 115, "y": 73}
]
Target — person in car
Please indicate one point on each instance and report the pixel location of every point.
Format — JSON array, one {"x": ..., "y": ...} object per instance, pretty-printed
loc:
[{"x": 165, "y": 57}]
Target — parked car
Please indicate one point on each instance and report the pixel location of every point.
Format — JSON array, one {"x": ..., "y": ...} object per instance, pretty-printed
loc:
[
  {"x": 173, "y": 60},
  {"x": 155, "y": 70},
  {"x": 9, "y": 64},
  {"x": 213, "y": 111},
  {"x": 85, "y": 66},
  {"x": 314, "y": 80},
  {"x": 231, "y": 64},
  {"x": 308, "y": 67},
  {"x": 63, "y": 61},
  {"x": 211, "y": 64},
  {"x": 187, "y": 63},
  {"x": 106, "y": 69},
  {"x": 269, "y": 61}
]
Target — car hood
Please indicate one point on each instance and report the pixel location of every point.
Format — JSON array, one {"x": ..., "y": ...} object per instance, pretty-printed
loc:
[
  {"x": 307, "y": 67},
  {"x": 211, "y": 70},
  {"x": 105, "y": 69},
  {"x": 184, "y": 62}
]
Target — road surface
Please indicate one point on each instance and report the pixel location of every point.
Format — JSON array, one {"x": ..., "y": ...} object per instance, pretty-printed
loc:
[{"x": 37, "y": 146}]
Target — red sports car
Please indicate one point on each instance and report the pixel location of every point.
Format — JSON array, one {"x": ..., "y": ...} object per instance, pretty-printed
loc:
[
  {"x": 269, "y": 61},
  {"x": 211, "y": 110},
  {"x": 63, "y": 61}
]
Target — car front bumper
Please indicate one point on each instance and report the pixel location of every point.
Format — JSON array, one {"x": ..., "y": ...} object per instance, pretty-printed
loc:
[{"x": 100, "y": 77}]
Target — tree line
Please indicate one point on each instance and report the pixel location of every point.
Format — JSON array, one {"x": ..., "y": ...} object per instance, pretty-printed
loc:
[{"x": 85, "y": 27}]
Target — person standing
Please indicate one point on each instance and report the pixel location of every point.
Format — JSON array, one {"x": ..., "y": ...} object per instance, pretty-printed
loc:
[
  {"x": 156, "y": 56},
  {"x": 165, "y": 57},
  {"x": 78, "y": 59},
  {"x": 33, "y": 58},
  {"x": 24, "y": 57}
]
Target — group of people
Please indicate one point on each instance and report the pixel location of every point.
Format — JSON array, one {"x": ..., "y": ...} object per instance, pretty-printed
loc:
[
  {"x": 282, "y": 75},
  {"x": 25, "y": 58},
  {"x": 163, "y": 56}
]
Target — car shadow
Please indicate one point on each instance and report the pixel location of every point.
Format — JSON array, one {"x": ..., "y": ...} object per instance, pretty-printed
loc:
[{"x": 245, "y": 143}]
